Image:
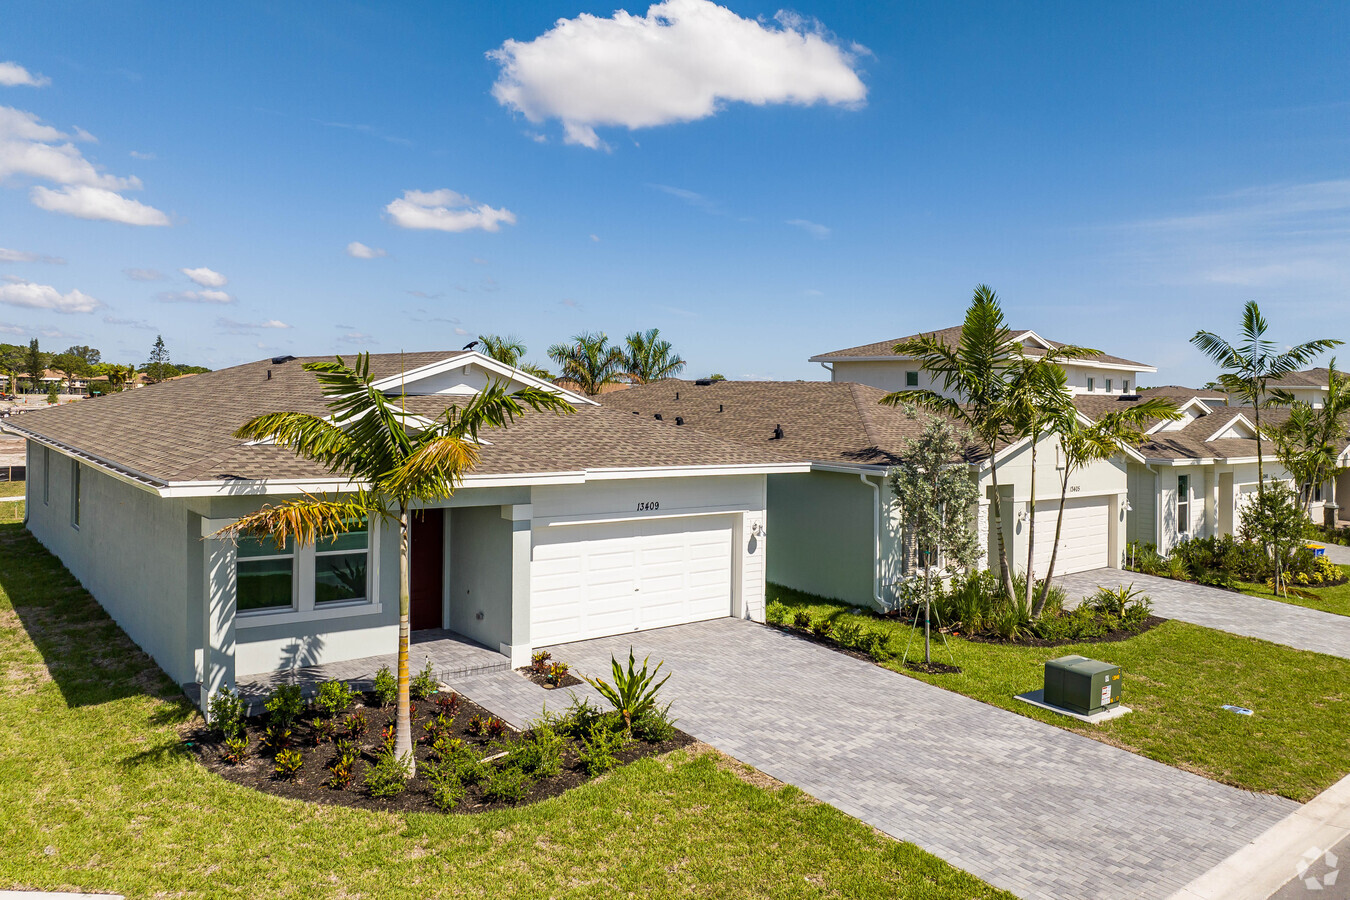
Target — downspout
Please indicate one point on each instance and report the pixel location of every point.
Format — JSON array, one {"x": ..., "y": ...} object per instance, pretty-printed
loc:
[
  {"x": 876, "y": 540},
  {"x": 826, "y": 367}
]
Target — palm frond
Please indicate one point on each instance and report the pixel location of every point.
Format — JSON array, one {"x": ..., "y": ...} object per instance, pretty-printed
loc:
[
  {"x": 306, "y": 520},
  {"x": 309, "y": 436},
  {"x": 434, "y": 469}
]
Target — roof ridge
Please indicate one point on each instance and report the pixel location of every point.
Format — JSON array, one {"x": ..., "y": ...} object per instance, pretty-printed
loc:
[{"x": 869, "y": 427}]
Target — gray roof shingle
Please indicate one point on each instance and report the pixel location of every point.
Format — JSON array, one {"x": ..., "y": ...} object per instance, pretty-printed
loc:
[{"x": 949, "y": 336}]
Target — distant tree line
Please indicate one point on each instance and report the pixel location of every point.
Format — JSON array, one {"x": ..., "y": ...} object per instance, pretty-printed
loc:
[
  {"x": 22, "y": 367},
  {"x": 590, "y": 362}
]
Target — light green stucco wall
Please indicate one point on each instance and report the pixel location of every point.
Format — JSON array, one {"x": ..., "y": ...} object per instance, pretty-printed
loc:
[
  {"x": 479, "y": 569},
  {"x": 820, "y": 535}
]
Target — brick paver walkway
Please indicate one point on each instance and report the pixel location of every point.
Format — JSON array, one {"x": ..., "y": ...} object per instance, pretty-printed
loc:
[
  {"x": 1032, "y": 808},
  {"x": 1270, "y": 620}
]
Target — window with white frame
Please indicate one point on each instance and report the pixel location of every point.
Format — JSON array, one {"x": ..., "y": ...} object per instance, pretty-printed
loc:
[
  {"x": 1108, "y": 385},
  {"x": 264, "y": 575},
  {"x": 911, "y": 379},
  {"x": 1125, "y": 386},
  {"x": 341, "y": 568},
  {"x": 1184, "y": 503},
  {"x": 1092, "y": 384}
]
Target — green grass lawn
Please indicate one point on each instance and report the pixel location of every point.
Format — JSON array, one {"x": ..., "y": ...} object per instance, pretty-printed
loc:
[
  {"x": 98, "y": 794},
  {"x": 1329, "y": 599},
  {"x": 12, "y": 488},
  {"x": 11, "y": 511},
  {"x": 1176, "y": 678}
]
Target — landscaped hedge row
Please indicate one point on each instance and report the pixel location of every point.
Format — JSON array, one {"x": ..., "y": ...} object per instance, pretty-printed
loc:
[{"x": 1225, "y": 561}]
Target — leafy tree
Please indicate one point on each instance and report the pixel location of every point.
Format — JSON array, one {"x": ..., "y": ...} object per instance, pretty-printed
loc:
[
  {"x": 717, "y": 376},
  {"x": 71, "y": 366},
  {"x": 52, "y": 395},
  {"x": 1275, "y": 519},
  {"x": 649, "y": 358},
  {"x": 158, "y": 368},
  {"x": 935, "y": 496},
  {"x": 508, "y": 349},
  {"x": 367, "y": 440},
  {"x": 34, "y": 364},
  {"x": 90, "y": 355},
  {"x": 1309, "y": 441},
  {"x": 1250, "y": 365},
  {"x": 1082, "y": 443},
  {"x": 589, "y": 361}
]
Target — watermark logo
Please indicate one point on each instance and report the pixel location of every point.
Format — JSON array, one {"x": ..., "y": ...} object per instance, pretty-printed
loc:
[{"x": 1318, "y": 868}]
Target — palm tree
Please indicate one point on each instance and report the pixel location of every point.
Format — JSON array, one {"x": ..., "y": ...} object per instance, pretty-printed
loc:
[
  {"x": 649, "y": 358},
  {"x": 1083, "y": 443},
  {"x": 975, "y": 369},
  {"x": 504, "y": 349},
  {"x": 1250, "y": 365},
  {"x": 393, "y": 460},
  {"x": 589, "y": 361},
  {"x": 1308, "y": 442}
]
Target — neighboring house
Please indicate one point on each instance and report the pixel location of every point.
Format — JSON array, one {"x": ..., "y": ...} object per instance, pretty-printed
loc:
[
  {"x": 72, "y": 385},
  {"x": 877, "y": 364},
  {"x": 834, "y": 532},
  {"x": 1310, "y": 385},
  {"x": 570, "y": 527}
]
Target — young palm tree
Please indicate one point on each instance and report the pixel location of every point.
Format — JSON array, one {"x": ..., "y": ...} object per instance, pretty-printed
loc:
[
  {"x": 1083, "y": 443},
  {"x": 976, "y": 370},
  {"x": 649, "y": 358},
  {"x": 1249, "y": 366},
  {"x": 504, "y": 349},
  {"x": 589, "y": 361},
  {"x": 1308, "y": 442},
  {"x": 392, "y": 460}
]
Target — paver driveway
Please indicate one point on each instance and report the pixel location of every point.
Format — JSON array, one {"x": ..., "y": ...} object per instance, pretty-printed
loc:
[
  {"x": 1270, "y": 620},
  {"x": 1029, "y": 807}
]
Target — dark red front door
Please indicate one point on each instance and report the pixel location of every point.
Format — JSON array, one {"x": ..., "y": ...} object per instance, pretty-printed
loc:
[{"x": 427, "y": 552}]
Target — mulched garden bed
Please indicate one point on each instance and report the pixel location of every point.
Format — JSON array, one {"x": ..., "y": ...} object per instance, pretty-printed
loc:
[
  {"x": 541, "y": 679},
  {"x": 1110, "y": 637},
  {"x": 257, "y": 771}
]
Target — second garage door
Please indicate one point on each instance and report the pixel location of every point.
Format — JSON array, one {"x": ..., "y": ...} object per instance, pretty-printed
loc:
[
  {"x": 611, "y": 578},
  {"x": 1083, "y": 543}
]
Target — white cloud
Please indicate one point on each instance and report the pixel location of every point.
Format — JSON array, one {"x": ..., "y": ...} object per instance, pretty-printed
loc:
[
  {"x": 207, "y": 296},
  {"x": 143, "y": 274},
  {"x": 681, "y": 62},
  {"x": 357, "y": 337},
  {"x": 596, "y": 238},
  {"x": 33, "y": 149},
  {"x": 445, "y": 210},
  {"x": 136, "y": 154},
  {"x": 461, "y": 332},
  {"x": 21, "y": 256},
  {"x": 230, "y": 326},
  {"x": 130, "y": 323},
  {"x": 206, "y": 277},
  {"x": 43, "y": 296},
  {"x": 14, "y": 75},
  {"x": 84, "y": 202},
  {"x": 6, "y": 328},
  {"x": 358, "y": 250},
  {"x": 814, "y": 229}
]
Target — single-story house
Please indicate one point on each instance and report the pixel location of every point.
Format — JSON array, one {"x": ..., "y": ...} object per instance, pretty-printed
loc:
[
  {"x": 836, "y": 533},
  {"x": 570, "y": 527}
]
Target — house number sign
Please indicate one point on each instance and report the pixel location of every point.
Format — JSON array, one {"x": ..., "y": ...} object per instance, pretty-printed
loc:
[{"x": 648, "y": 505}]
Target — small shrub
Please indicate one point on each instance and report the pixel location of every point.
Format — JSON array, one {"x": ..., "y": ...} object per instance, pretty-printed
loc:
[
  {"x": 847, "y": 633},
  {"x": 776, "y": 613},
  {"x": 633, "y": 690},
  {"x": 599, "y": 749},
  {"x": 448, "y": 704},
  {"x": 333, "y": 698},
  {"x": 1135, "y": 612},
  {"x": 277, "y": 738},
  {"x": 388, "y": 775},
  {"x": 537, "y": 753},
  {"x": 556, "y": 673},
  {"x": 387, "y": 734},
  {"x": 1112, "y": 601},
  {"x": 507, "y": 785},
  {"x": 236, "y": 749},
  {"x": 446, "y": 746},
  {"x": 654, "y": 725},
  {"x": 288, "y": 763},
  {"x": 227, "y": 713},
  {"x": 446, "y": 788},
  {"x": 494, "y": 727},
  {"x": 342, "y": 770},
  {"x": 423, "y": 684},
  {"x": 437, "y": 728},
  {"x": 285, "y": 704},
  {"x": 581, "y": 715},
  {"x": 461, "y": 760},
  {"x": 539, "y": 661},
  {"x": 801, "y": 618},
  {"x": 822, "y": 628},
  {"x": 324, "y": 731},
  {"x": 386, "y": 687},
  {"x": 355, "y": 725},
  {"x": 875, "y": 644},
  {"x": 477, "y": 726}
]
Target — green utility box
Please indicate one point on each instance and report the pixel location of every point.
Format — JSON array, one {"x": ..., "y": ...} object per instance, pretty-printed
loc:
[{"x": 1082, "y": 685}]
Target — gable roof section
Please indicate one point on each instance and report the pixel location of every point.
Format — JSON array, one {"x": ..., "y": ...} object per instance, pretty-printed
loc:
[
  {"x": 182, "y": 431},
  {"x": 1319, "y": 377},
  {"x": 885, "y": 350}
]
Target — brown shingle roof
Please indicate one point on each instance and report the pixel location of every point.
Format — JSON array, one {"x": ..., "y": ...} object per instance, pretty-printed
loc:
[
  {"x": 950, "y": 336},
  {"x": 826, "y": 421},
  {"x": 182, "y": 430}
]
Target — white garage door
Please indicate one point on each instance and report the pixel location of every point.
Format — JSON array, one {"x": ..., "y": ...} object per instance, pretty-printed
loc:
[
  {"x": 1083, "y": 541},
  {"x": 593, "y": 580}
]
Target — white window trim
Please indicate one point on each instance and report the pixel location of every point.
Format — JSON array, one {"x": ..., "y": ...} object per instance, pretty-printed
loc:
[
  {"x": 303, "y": 608},
  {"x": 1091, "y": 384}
]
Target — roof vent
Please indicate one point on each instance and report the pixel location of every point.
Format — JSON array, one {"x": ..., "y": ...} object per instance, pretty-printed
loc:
[
  {"x": 679, "y": 420},
  {"x": 269, "y": 374},
  {"x": 719, "y": 407},
  {"x": 677, "y": 395},
  {"x": 658, "y": 417},
  {"x": 278, "y": 360},
  {"x": 1128, "y": 397},
  {"x": 704, "y": 381},
  {"x": 778, "y": 432}
]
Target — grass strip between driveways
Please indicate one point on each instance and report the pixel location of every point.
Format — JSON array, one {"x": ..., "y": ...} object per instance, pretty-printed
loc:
[
  {"x": 12, "y": 488},
  {"x": 98, "y": 794},
  {"x": 1176, "y": 679},
  {"x": 1329, "y": 599}
]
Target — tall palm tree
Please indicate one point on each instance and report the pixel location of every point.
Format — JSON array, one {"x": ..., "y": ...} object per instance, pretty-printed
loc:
[
  {"x": 1308, "y": 443},
  {"x": 975, "y": 369},
  {"x": 1082, "y": 443},
  {"x": 649, "y": 358},
  {"x": 393, "y": 460},
  {"x": 503, "y": 348},
  {"x": 589, "y": 361},
  {"x": 1249, "y": 366}
]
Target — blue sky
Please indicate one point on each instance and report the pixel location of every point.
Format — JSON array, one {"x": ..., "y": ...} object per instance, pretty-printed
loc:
[{"x": 1121, "y": 174}]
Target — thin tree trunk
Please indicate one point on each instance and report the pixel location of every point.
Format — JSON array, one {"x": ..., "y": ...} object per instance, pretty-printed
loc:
[
  {"x": 1054, "y": 551},
  {"x": 927, "y": 612},
  {"x": 1005, "y": 576},
  {"x": 1031, "y": 530},
  {"x": 403, "y": 747},
  {"x": 1260, "y": 467}
]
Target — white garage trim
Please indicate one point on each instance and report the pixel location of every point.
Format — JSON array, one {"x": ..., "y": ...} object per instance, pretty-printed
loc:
[
  {"x": 553, "y": 521},
  {"x": 1085, "y": 541}
]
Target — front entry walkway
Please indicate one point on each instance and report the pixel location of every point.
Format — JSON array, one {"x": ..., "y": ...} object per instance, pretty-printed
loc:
[
  {"x": 1037, "y": 810},
  {"x": 1269, "y": 620},
  {"x": 452, "y": 656}
]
